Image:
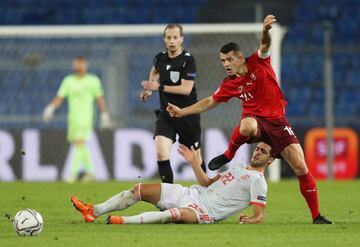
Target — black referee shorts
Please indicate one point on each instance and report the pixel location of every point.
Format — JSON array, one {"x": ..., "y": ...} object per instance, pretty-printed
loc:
[{"x": 188, "y": 128}]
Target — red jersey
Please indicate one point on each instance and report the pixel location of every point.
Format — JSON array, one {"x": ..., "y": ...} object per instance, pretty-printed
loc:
[{"x": 258, "y": 89}]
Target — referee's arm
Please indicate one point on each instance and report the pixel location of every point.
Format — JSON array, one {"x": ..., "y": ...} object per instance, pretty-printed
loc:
[
  {"x": 184, "y": 88},
  {"x": 153, "y": 78}
]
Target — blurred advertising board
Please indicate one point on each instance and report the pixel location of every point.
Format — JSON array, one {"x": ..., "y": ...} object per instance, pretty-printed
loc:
[
  {"x": 346, "y": 153},
  {"x": 121, "y": 154}
]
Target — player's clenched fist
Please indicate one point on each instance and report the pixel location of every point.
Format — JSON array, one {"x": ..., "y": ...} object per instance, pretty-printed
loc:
[
  {"x": 145, "y": 95},
  {"x": 268, "y": 21},
  {"x": 173, "y": 110}
]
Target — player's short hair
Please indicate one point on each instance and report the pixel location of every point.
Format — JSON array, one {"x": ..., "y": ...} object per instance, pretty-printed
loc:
[
  {"x": 79, "y": 57},
  {"x": 230, "y": 47},
  {"x": 174, "y": 25}
]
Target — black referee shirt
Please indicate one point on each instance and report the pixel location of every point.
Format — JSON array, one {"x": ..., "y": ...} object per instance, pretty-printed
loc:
[{"x": 171, "y": 71}]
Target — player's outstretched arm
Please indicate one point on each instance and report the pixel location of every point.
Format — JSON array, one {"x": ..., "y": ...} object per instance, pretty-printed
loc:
[
  {"x": 48, "y": 113},
  {"x": 265, "y": 41},
  {"x": 258, "y": 217},
  {"x": 190, "y": 155},
  {"x": 199, "y": 107}
]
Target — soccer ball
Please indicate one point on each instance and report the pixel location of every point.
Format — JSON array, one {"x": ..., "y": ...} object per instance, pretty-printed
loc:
[{"x": 28, "y": 222}]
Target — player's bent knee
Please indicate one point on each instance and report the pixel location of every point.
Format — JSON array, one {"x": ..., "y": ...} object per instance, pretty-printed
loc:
[
  {"x": 188, "y": 216},
  {"x": 136, "y": 190},
  {"x": 248, "y": 126},
  {"x": 248, "y": 130}
]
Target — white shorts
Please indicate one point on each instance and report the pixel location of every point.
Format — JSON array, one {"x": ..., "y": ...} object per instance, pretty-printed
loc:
[{"x": 178, "y": 196}]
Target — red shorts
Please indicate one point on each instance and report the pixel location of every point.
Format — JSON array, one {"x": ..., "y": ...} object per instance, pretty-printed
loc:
[{"x": 278, "y": 133}]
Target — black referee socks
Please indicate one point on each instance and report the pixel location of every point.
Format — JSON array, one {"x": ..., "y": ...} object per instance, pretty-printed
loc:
[{"x": 165, "y": 171}]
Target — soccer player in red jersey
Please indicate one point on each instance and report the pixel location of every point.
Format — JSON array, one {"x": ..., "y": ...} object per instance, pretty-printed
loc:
[{"x": 253, "y": 81}]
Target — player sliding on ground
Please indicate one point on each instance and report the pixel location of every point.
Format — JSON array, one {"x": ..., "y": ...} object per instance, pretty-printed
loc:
[
  {"x": 213, "y": 200},
  {"x": 263, "y": 118}
]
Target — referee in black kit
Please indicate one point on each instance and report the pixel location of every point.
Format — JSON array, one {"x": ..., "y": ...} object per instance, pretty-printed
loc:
[{"x": 173, "y": 74}]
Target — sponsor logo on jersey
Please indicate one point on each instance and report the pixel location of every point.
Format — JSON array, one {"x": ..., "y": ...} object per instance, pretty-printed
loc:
[
  {"x": 174, "y": 76},
  {"x": 168, "y": 67},
  {"x": 246, "y": 96},
  {"x": 244, "y": 177},
  {"x": 261, "y": 198}
]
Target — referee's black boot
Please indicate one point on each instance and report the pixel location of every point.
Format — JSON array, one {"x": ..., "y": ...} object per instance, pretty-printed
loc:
[
  {"x": 321, "y": 220},
  {"x": 218, "y": 162}
]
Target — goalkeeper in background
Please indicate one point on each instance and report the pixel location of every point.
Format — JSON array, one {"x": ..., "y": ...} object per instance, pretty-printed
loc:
[{"x": 81, "y": 89}]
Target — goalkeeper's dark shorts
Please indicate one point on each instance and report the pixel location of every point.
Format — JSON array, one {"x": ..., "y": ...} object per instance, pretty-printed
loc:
[{"x": 187, "y": 128}]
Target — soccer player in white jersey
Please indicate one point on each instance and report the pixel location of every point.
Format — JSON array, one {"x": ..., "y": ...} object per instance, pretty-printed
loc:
[{"x": 213, "y": 200}]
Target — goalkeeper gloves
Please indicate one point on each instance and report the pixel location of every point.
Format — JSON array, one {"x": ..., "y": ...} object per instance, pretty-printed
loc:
[{"x": 105, "y": 122}]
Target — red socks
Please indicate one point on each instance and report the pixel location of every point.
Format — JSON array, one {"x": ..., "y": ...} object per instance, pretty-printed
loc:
[
  {"x": 236, "y": 141},
  {"x": 309, "y": 191}
]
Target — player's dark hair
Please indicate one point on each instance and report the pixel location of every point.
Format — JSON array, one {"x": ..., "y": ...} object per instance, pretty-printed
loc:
[
  {"x": 230, "y": 47},
  {"x": 79, "y": 57},
  {"x": 173, "y": 25}
]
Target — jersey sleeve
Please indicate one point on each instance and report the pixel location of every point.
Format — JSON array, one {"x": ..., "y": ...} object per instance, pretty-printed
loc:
[
  {"x": 258, "y": 192},
  {"x": 222, "y": 94},
  {"x": 259, "y": 57},
  {"x": 189, "y": 71},
  {"x": 63, "y": 89},
  {"x": 263, "y": 55},
  {"x": 156, "y": 60},
  {"x": 98, "y": 89}
]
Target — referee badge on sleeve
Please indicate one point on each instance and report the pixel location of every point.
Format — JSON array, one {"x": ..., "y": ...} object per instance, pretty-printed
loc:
[{"x": 174, "y": 76}]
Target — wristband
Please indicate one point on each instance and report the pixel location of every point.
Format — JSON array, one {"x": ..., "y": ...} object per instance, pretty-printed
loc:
[{"x": 161, "y": 88}]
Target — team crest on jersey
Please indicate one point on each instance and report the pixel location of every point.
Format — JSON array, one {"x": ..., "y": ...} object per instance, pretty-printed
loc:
[
  {"x": 253, "y": 76},
  {"x": 174, "y": 76}
]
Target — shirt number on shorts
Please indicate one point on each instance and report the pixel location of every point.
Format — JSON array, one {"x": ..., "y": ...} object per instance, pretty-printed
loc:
[
  {"x": 289, "y": 130},
  {"x": 227, "y": 178}
]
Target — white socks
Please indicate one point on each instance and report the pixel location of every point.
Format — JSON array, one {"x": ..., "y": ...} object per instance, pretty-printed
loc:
[
  {"x": 171, "y": 215},
  {"x": 127, "y": 198},
  {"x": 120, "y": 201}
]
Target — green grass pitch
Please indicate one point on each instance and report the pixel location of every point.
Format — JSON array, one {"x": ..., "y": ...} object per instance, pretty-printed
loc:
[{"x": 287, "y": 220}]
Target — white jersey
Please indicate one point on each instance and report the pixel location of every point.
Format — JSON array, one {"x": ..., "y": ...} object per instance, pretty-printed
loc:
[{"x": 236, "y": 189}]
